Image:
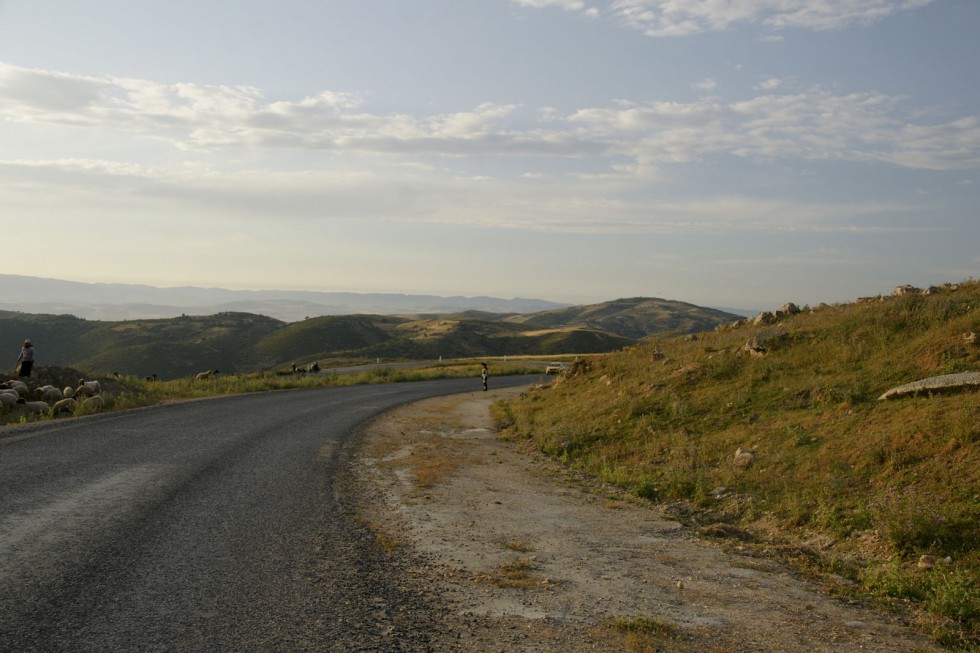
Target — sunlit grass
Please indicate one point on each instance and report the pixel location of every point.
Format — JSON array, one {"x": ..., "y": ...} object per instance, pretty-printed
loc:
[{"x": 884, "y": 482}]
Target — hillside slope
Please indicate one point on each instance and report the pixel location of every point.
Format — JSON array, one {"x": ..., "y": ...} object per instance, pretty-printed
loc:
[
  {"x": 635, "y": 318},
  {"x": 774, "y": 435}
]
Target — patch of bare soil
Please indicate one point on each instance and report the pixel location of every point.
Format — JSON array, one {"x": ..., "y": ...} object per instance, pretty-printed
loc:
[{"x": 529, "y": 558}]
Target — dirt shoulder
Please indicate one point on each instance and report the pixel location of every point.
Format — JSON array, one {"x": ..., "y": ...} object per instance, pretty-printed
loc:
[{"x": 530, "y": 558}]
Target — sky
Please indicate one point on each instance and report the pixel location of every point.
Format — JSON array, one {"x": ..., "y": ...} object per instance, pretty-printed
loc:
[{"x": 728, "y": 153}]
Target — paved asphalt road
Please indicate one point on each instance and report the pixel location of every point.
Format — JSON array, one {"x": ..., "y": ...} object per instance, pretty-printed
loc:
[{"x": 216, "y": 525}]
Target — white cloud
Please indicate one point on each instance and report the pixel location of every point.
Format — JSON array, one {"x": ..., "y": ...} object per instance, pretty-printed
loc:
[
  {"x": 569, "y": 5},
  {"x": 815, "y": 124},
  {"x": 707, "y": 84},
  {"x": 577, "y": 6},
  {"x": 665, "y": 18}
]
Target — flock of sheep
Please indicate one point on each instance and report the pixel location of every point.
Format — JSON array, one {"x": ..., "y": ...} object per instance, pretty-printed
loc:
[
  {"x": 47, "y": 399},
  {"x": 85, "y": 398}
]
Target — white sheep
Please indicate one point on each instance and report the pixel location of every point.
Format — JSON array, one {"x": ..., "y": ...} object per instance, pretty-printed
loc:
[
  {"x": 93, "y": 404},
  {"x": 8, "y": 400},
  {"x": 88, "y": 389},
  {"x": 19, "y": 386},
  {"x": 68, "y": 392},
  {"x": 36, "y": 407},
  {"x": 49, "y": 393},
  {"x": 63, "y": 406}
]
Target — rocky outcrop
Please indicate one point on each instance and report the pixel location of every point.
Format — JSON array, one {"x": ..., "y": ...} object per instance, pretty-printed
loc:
[
  {"x": 931, "y": 290},
  {"x": 936, "y": 384},
  {"x": 759, "y": 345},
  {"x": 906, "y": 290},
  {"x": 766, "y": 318}
]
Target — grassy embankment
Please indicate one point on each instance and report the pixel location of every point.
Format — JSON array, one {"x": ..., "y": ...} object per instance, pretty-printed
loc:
[
  {"x": 852, "y": 489},
  {"x": 131, "y": 392}
]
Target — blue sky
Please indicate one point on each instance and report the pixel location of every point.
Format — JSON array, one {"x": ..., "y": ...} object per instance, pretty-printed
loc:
[{"x": 736, "y": 153}]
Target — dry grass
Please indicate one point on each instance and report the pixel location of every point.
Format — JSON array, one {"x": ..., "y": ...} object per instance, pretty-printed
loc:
[
  {"x": 641, "y": 634},
  {"x": 388, "y": 541},
  {"x": 433, "y": 466},
  {"x": 615, "y": 505},
  {"x": 517, "y": 574},
  {"x": 518, "y": 546},
  {"x": 832, "y": 464}
]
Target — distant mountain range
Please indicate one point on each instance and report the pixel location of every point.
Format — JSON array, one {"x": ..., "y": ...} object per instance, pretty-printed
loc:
[
  {"x": 242, "y": 341},
  {"x": 117, "y": 301}
]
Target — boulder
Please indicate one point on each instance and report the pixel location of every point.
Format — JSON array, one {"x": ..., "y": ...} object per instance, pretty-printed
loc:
[
  {"x": 753, "y": 348},
  {"x": 764, "y": 318},
  {"x": 787, "y": 310},
  {"x": 906, "y": 290},
  {"x": 743, "y": 457},
  {"x": 935, "y": 384}
]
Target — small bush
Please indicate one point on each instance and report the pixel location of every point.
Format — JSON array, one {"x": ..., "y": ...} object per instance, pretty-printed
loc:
[
  {"x": 892, "y": 580},
  {"x": 911, "y": 519},
  {"x": 954, "y": 594}
]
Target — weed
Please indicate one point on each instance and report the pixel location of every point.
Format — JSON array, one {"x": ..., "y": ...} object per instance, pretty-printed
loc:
[
  {"x": 954, "y": 594},
  {"x": 388, "y": 541},
  {"x": 911, "y": 519},
  {"x": 519, "y": 546},
  {"x": 512, "y": 575},
  {"x": 892, "y": 580},
  {"x": 647, "y": 625},
  {"x": 641, "y": 634}
]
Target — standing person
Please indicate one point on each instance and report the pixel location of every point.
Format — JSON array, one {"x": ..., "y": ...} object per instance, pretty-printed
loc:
[
  {"x": 484, "y": 374},
  {"x": 26, "y": 359}
]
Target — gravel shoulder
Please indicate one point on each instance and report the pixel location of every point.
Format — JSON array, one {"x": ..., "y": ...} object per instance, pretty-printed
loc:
[{"x": 528, "y": 557}]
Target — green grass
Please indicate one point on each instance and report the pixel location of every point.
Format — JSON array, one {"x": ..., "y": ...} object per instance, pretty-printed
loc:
[{"x": 886, "y": 482}]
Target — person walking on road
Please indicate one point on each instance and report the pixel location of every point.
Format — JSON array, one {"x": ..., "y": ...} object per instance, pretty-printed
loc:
[
  {"x": 484, "y": 374},
  {"x": 26, "y": 359}
]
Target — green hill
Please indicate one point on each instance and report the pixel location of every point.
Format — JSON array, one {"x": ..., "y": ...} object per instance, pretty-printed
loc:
[
  {"x": 633, "y": 318},
  {"x": 244, "y": 342},
  {"x": 169, "y": 348},
  {"x": 773, "y": 437}
]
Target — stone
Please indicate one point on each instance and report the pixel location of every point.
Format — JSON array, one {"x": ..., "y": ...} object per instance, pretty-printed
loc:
[
  {"x": 787, "y": 310},
  {"x": 764, "y": 318},
  {"x": 743, "y": 457},
  {"x": 752, "y": 347},
  {"x": 906, "y": 290},
  {"x": 927, "y": 562},
  {"x": 935, "y": 384}
]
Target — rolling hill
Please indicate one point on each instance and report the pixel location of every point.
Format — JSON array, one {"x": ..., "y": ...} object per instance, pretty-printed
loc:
[
  {"x": 635, "y": 318},
  {"x": 235, "y": 342}
]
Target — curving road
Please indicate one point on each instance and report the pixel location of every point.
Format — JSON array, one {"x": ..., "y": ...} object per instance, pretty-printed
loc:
[{"x": 217, "y": 525}]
